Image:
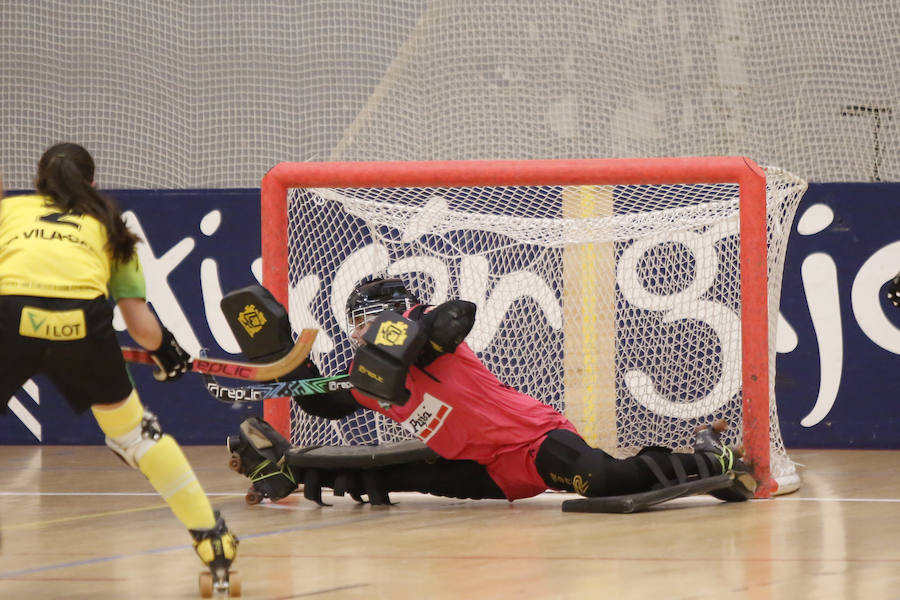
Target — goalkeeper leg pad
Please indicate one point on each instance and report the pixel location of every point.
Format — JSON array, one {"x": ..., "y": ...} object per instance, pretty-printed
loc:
[
  {"x": 441, "y": 477},
  {"x": 258, "y": 453},
  {"x": 365, "y": 473},
  {"x": 655, "y": 475},
  {"x": 407, "y": 466},
  {"x": 630, "y": 503},
  {"x": 356, "y": 471}
]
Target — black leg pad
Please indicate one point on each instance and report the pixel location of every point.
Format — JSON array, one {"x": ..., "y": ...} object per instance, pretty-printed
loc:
[{"x": 630, "y": 503}]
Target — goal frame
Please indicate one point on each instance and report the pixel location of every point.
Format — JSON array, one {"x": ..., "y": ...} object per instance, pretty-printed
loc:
[{"x": 738, "y": 170}]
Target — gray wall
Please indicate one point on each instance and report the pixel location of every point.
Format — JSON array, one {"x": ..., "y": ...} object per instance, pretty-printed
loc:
[{"x": 212, "y": 94}]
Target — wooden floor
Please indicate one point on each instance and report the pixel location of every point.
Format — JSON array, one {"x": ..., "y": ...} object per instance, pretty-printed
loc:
[{"x": 77, "y": 524}]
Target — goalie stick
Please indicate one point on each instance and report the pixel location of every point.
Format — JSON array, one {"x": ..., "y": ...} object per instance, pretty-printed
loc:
[
  {"x": 278, "y": 389},
  {"x": 240, "y": 370}
]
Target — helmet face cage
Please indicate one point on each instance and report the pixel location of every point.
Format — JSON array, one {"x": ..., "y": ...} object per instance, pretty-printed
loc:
[{"x": 372, "y": 298}]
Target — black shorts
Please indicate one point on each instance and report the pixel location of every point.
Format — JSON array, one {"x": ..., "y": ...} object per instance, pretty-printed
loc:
[{"x": 70, "y": 341}]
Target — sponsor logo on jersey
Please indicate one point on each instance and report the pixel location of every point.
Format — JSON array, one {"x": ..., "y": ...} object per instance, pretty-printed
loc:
[
  {"x": 427, "y": 418},
  {"x": 52, "y": 324},
  {"x": 49, "y": 234},
  {"x": 391, "y": 333},
  {"x": 251, "y": 319}
]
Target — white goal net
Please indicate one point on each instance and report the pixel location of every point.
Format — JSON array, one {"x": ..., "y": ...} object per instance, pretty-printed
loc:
[{"x": 621, "y": 305}]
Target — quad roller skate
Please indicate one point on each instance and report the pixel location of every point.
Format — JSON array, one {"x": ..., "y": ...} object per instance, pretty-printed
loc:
[
  {"x": 708, "y": 440},
  {"x": 217, "y": 548},
  {"x": 258, "y": 453}
]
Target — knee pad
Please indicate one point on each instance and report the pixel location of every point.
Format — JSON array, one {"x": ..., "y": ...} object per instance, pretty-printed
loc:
[
  {"x": 132, "y": 446},
  {"x": 557, "y": 460},
  {"x": 131, "y": 430}
]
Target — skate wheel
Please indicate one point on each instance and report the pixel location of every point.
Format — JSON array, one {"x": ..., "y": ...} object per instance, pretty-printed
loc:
[
  {"x": 206, "y": 585},
  {"x": 234, "y": 584},
  {"x": 253, "y": 497},
  {"x": 234, "y": 463}
]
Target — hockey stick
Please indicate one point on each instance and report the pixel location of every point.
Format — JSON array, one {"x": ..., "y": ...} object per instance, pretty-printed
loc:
[
  {"x": 278, "y": 389},
  {"x": 240, "y": 370}
]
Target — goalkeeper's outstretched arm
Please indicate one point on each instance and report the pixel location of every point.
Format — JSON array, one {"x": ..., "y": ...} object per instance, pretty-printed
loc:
[{"x": 335, "y": 404}]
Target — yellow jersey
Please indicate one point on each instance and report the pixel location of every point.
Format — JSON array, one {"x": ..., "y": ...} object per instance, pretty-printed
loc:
[{"x": 49, "y": 253}]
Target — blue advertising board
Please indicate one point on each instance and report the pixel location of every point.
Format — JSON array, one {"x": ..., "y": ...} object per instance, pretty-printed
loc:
[
  {"x": 198, "y": 244},
  {"x": 837, "y": 344},
  {"x": 837, "y": 365}
]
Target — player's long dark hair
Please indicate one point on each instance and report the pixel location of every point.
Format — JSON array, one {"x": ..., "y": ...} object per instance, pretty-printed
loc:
[{"x": 65, "y": 174}]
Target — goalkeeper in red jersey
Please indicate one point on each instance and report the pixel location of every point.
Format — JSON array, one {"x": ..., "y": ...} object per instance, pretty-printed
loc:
[{"x": 413, "y": 366}]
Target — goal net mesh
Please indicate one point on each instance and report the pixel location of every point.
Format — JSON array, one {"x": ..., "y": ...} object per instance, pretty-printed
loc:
[{"x": 619, "y": 305}]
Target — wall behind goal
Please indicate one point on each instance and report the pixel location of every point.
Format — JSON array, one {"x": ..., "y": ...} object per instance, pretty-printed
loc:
[
  {"x": 211, "y": 94},
  {"x": 837, "y": 375},
  {"x": 199, "y": 245},
  {"x": 838, "y": 344}
]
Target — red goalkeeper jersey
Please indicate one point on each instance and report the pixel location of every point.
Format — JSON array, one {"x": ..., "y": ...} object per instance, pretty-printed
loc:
[{"x": 462, "y": 411}]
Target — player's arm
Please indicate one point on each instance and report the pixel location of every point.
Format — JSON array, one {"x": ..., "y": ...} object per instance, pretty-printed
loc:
[
  {"x": 329, "y": 405},
  {"x": 127, "y": 287}
]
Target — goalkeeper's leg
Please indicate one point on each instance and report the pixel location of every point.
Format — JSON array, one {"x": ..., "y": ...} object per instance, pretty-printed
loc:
[
  {"x": 134, "y": 434},
  {"x": 276, "y": 470},
  {"x": 565, "y": 461}
]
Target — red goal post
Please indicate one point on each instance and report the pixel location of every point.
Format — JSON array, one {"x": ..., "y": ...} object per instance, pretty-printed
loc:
[{"x": 755, "y": 315}]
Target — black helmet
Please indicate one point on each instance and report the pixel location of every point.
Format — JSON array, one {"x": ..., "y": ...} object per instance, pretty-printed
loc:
[{"x": 372, "y": 297}]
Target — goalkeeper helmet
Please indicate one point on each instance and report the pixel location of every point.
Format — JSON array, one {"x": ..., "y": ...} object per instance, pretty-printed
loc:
[{"x": 372, "y": 297}]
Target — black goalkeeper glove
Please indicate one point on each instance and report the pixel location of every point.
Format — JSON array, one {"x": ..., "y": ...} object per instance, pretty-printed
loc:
[
  {"x": 893, "y": 291},
  {"x": 448, "y": 324},
  {"x": 171, "y": 358}
]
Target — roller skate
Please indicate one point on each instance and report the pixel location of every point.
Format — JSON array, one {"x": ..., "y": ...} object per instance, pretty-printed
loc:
[
  {"x": 708, "y": 441},
  {"x": 217, "y": 548},
  {"x": 258, "y": 453}
]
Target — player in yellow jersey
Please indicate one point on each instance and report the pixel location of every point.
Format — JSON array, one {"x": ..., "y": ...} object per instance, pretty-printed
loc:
[{"x": 63, "y": 251}]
